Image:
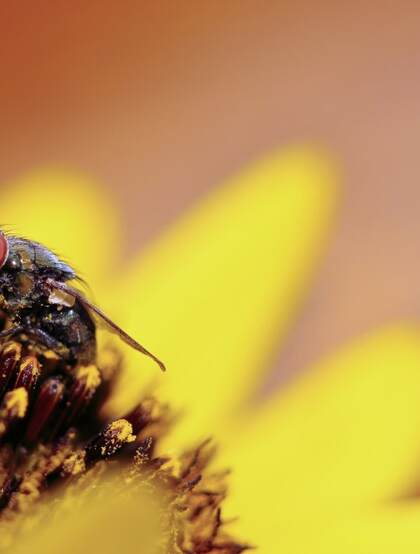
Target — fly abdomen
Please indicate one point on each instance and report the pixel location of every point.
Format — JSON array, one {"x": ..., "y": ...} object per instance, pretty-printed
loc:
[{"x": 74, "y": 329}]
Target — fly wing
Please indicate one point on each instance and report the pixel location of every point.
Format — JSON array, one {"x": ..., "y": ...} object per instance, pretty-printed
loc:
[{"x": 105, "y": 319}]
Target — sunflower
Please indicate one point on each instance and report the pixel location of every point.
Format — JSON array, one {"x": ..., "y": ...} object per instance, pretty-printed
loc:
[{"x": 327, "y": 464}]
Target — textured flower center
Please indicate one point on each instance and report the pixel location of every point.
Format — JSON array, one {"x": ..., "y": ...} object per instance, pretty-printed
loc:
[{"x": 69, "y": 478}]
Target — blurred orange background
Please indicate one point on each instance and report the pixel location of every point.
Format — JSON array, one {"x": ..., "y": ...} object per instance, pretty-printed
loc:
[{"x": 160, "y": 101}]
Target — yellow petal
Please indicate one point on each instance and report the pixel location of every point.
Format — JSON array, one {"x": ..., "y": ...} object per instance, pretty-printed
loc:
[
  {"x": 385, "y": 530},
  {"x": 216, "y": 293},
  {"x": 345, "y": 435},
  {"x": 69, "y": 214}
]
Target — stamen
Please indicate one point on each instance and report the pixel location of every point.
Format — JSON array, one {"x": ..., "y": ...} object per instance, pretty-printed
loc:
[
  {"x": 86, "y": 381},
  {"x": 112, "y": 439},
  {"x": 28, "y": 373},
  {"x": 48, "y": 399},
  {"x": 9, "y": 358}
]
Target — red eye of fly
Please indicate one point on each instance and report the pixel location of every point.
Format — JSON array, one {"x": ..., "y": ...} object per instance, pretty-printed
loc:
[{"x": 4, "y": 249}]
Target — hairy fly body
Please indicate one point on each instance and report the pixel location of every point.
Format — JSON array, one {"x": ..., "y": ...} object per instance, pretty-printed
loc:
[{"x": 41, "y": 308}]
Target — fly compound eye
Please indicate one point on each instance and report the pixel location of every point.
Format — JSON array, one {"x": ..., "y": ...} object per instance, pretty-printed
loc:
[{"x": 4, "y": 249}]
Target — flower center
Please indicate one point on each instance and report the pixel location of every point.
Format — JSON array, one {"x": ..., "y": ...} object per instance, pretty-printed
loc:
[{"x": 68, "y": 479}]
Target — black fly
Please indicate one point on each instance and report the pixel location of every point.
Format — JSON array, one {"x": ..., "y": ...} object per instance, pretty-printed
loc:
[{"x": 41, "y": 307}]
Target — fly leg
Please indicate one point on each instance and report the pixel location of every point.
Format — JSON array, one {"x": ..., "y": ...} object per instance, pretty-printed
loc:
[
  {"x": 11, "y": 331},
  {"x": 50, "y": 342}
]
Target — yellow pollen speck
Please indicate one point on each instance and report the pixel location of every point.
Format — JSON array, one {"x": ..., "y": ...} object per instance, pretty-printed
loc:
[
  {"x": 89, "y": 375},
  {"x": 74, "y": 464},
  {"x": 14, "y": 406},
  {"x": 16, "y": 402},
  {"x": 122, "y": 430},
  {"x": 13, "y": 348}
]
